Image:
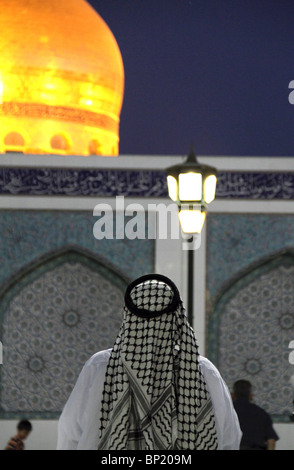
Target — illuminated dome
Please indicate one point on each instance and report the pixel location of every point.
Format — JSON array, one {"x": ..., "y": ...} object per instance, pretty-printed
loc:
[{"x": 61, "y": 79}]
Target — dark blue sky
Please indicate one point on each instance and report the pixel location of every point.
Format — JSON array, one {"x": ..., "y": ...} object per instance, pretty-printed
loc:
[{"x": 208, "y": 72}]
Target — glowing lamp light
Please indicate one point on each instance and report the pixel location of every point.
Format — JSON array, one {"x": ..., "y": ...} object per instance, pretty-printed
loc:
[
  {"x": 209, "y": 188},
  {"x": 172, "y": 187},
  {"x": 192, "y": 220},
  {"x": 191, "y": 186}
]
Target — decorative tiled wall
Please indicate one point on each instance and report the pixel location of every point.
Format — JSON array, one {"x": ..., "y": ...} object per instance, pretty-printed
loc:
[
  {"x": 27, "y": 235},
  {"x": 62, "y": 295},
  {"x": 140, "y": 183},
  {"x": 237, "y": 241},
  {"x": 250, "y": 292}
]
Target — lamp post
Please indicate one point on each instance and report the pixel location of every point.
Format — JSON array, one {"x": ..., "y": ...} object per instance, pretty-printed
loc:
[{"x": 192, "y": 186}]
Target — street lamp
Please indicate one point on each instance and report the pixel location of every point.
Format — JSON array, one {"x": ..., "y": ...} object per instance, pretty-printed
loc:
[{"x": 192, "y": 186}]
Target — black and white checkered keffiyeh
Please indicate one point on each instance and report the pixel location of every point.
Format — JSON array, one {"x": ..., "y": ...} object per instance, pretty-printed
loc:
[{"x": 154, "y": 395}]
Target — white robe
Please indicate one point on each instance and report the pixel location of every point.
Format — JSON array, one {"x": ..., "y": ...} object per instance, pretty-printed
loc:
[{"x": 78, "y": 426}]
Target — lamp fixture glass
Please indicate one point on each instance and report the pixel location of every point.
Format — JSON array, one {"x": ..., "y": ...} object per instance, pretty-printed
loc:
[
  {"x": 190, "y": 186},
  {"x": 209, "y": 188},
  {"x": 191, "y": 183},
  {"x": 191, "y": 221},
  {"x": 172, "y": 187}
]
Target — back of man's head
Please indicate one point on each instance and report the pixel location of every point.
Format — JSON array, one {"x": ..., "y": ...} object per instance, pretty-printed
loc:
[{"x": 242, "y": 389}]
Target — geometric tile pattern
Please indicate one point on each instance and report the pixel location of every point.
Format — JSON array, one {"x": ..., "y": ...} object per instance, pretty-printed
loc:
[
  {"x": 30, "y": 235},
  {"x": 238, "y": 242},
  {"x": 60, "y": 316},
  {"x": 250, "y": 329}
]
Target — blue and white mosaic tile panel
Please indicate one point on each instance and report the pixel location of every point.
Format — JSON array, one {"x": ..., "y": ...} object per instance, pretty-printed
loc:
[
  {"x": 61, "y": 301},
  {"x": 27, "y": 235},
  {"x": 236, "y": 242},
  {"x": 51, "y": 326},
  {"x": 250, "y": 329}
]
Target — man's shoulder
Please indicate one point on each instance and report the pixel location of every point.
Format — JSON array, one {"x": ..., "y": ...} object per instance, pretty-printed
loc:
[
  {"x": 250, "y": 408},
  {"x": 99, "y": 358},
  {"x": 258, "y": 409},
  {"x": 208, "y": 367}
]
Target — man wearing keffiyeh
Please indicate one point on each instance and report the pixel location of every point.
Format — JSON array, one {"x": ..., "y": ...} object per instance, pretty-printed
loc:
[
  {"x": 154, "y": 394},
  {"x": 157, "y": 393}
]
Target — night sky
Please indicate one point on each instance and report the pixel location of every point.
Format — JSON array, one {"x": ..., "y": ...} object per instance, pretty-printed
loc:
[{"x": 210, "y": 73}]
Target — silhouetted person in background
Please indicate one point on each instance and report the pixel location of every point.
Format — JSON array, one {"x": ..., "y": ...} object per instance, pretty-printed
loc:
[
  {"x": 24, "y": 428},
  {"x": 256, "y": 424}
]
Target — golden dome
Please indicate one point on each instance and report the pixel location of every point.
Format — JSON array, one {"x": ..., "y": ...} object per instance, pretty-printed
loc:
[{"x": 61, "y": 79}]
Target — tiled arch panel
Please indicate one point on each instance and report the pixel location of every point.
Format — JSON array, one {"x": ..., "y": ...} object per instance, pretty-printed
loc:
[
  {"x": 250, "y": 328},
  {"x": 54, "y": 317}
]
